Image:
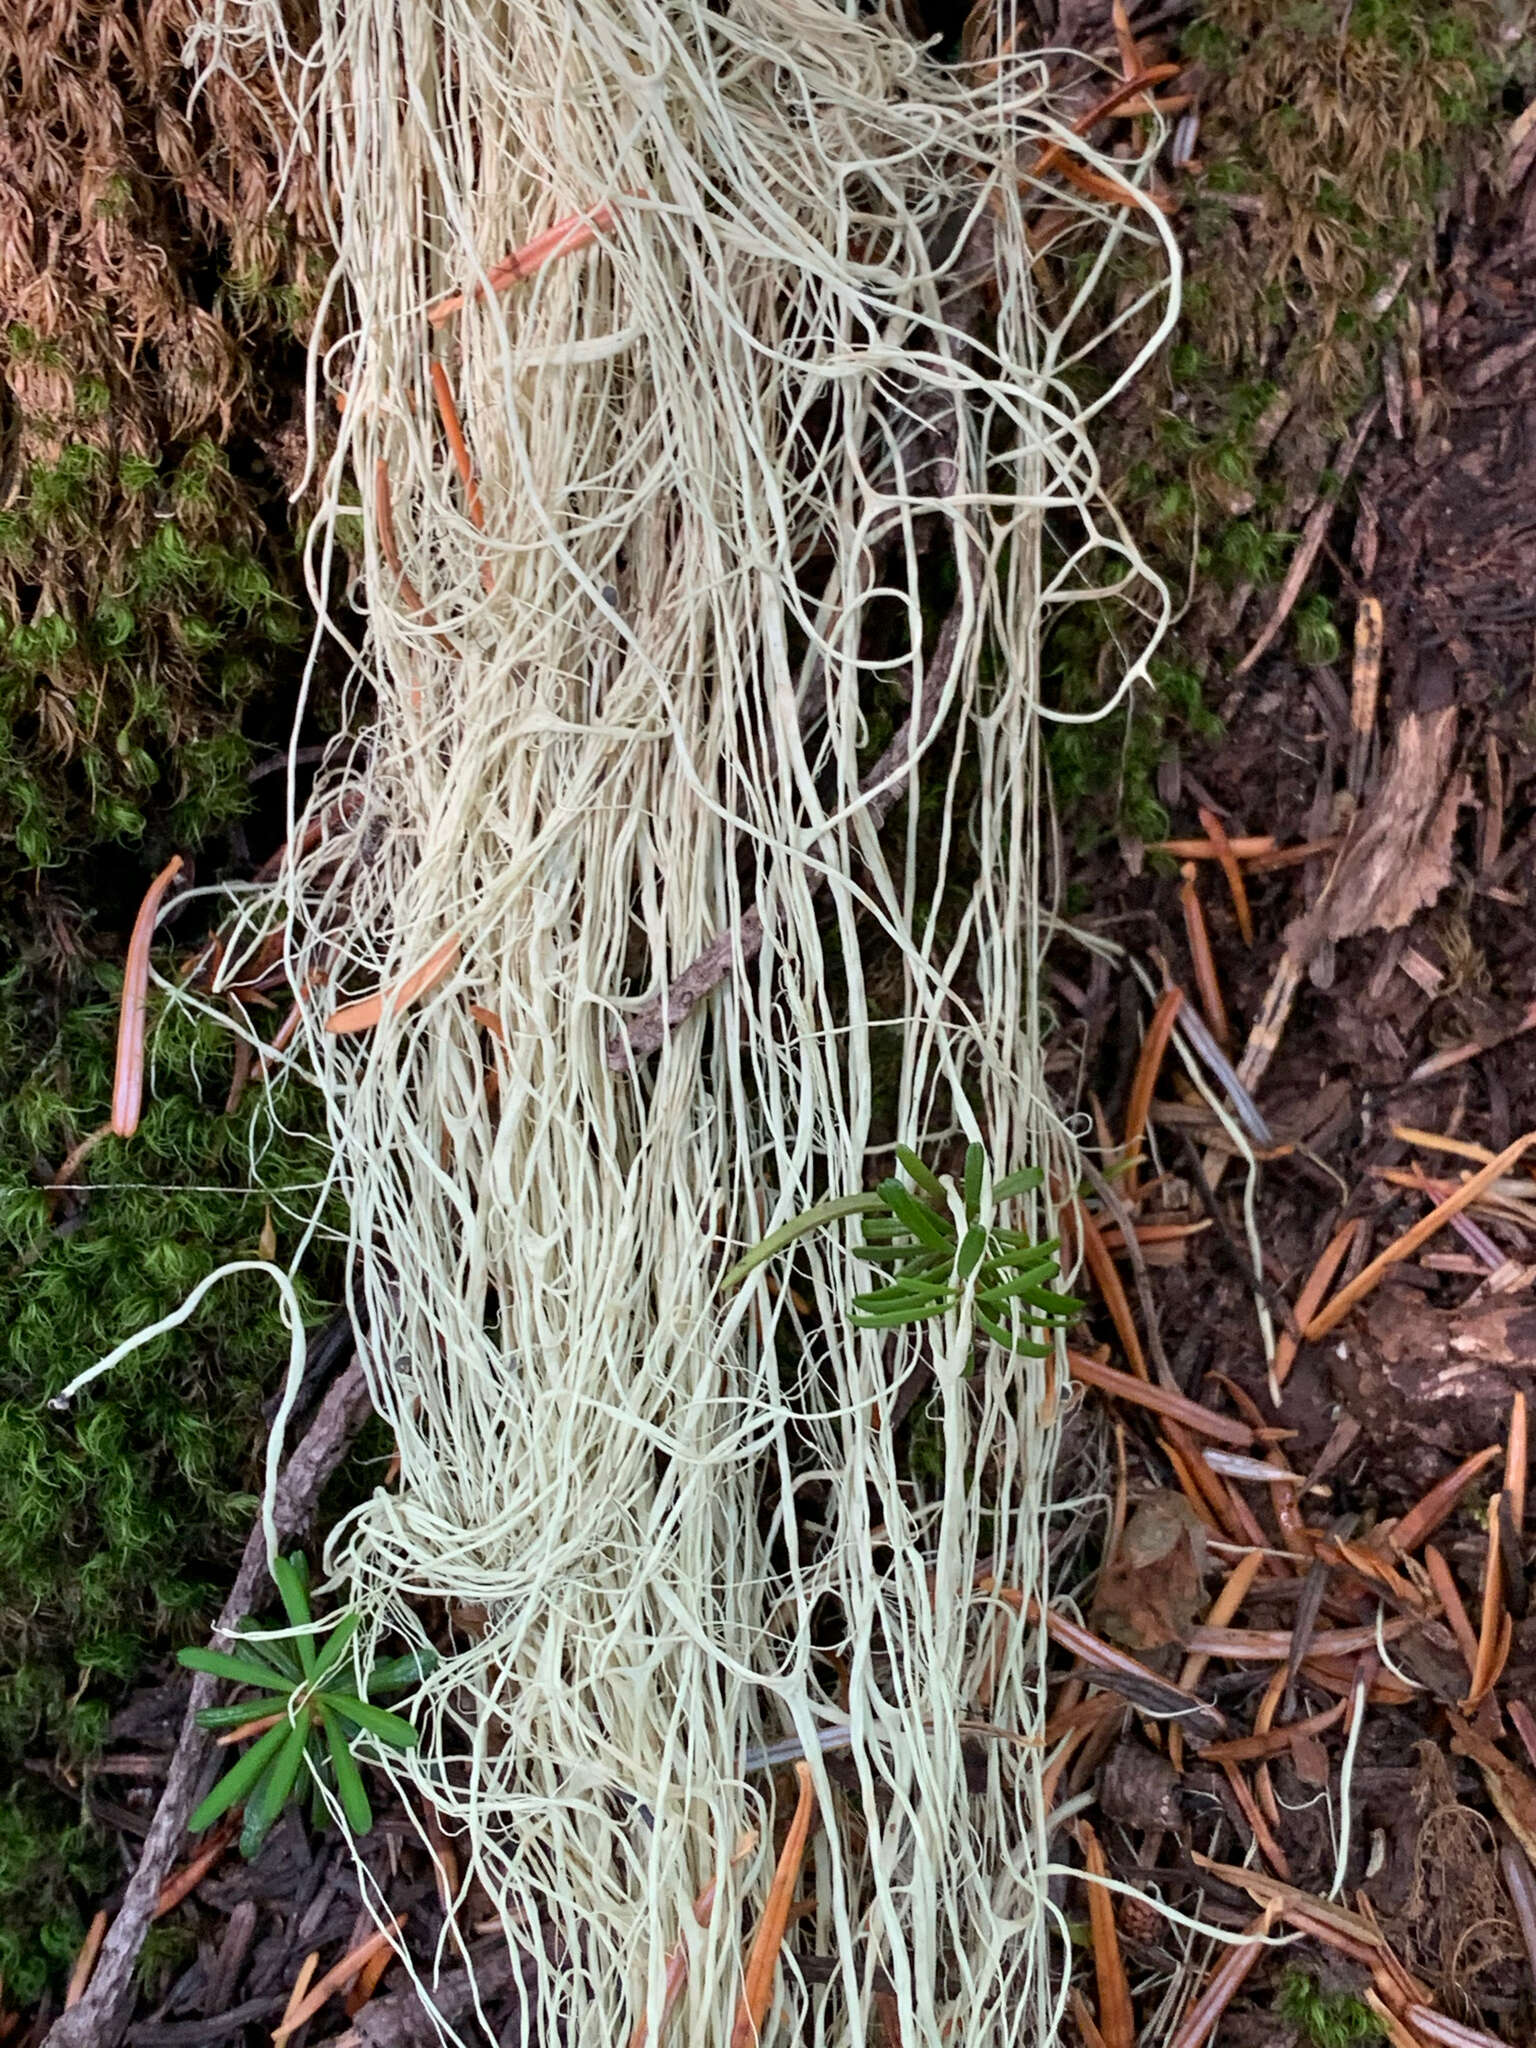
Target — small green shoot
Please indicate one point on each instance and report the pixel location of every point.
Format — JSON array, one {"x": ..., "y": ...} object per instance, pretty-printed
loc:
[
  {"x": 1327, "y": 2019},
  {"x": 303, "y": 1683},
  {"x": 939, "y": 1244}
]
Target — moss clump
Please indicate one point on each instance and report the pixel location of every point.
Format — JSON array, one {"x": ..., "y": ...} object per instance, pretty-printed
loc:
[
  {"x": 123, "y": 1518},
  {"x": 1329, "y": 139},
  {"x": 1326, "y": 2019}
]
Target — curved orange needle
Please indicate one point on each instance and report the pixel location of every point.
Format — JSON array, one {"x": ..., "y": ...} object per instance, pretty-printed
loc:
[{"x": 128, "y": 1081}]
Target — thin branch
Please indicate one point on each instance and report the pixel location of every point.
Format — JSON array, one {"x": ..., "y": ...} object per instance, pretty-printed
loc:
[{"x": 102, "y": 2015}]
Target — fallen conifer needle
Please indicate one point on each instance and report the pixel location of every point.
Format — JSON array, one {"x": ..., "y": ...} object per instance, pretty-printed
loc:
[
  {"x": 182, "y": 1883},
  {"x": 1144, "y": 1080},
  {"x": 85, "y": 1962},
  {"x": 1117, "y": 2021},
  {"x": 370, "y": 1010},
  {"x": 1490, "y": 1637},
  {"x": 133, "y": 1017},
  {"x": 1365, "y": 1281},
  {"x": 1124, "y": 1386},
  {"x": 1317, "y": 1283},
  {"x": 1434, "y": 2026},
  {"x": 307, "y": 2002},
  {"x": 1422, "y": 1521},
  {"x": 1206, "y": 849},
  {"x": 1225, "y": 853},
  {"x": 564, "y": 238},
  {"x": 1247, "y": 1749},
  {"x": 763, "y": 1957}
]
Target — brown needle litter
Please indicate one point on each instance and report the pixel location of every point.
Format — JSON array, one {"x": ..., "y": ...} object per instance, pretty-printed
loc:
[
  {"x": 1497, "y": 1628},
  {"x": 1251, "y": 849},
  {"x": 763, "y": 1956},
  {"x": 1448, "y": 1593},
  {"x": 1144, "y": 1080},
  {"x": 369, "y": 1010},
  {"x": 1217, "y": 834},
  {"x": 1316, "y": 1285},
  {"x": 1200, "y": 2022},
  {"x": 1401, "y": 1247},
  {"x": 1207, "y": 981},
  {"x": 1117, "y": 2021},
  {"x": 1161, "y": 1400},
  {"x": 1516, "y": 1458},
  {"x": 306, "y": 2002},
  {"x": 1439, "y": 1503},
  {"x": 133, "y": 1015},
  {"x": 564, "y": 238}
]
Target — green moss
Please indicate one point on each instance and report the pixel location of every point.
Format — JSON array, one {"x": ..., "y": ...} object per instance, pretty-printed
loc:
[
  {"x": 1338, "y": 131},
  {"x": 123, "y": 1518},
  {"x": 1327, "y": 2019}
]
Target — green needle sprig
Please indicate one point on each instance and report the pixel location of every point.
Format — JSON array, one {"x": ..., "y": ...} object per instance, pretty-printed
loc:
[
  {"x": 303, "y": 1684},
  {"x": 931, "y": 1259}
]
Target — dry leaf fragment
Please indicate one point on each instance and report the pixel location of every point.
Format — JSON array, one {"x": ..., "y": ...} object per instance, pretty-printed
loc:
[{"x": 1153, "y": 1591}]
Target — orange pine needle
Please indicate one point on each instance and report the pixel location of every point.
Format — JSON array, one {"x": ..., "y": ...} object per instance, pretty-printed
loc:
[
  {"x": 384, "y": 512},
  {"x": 364, "y": 1014},
  {"x": 677, "y": 1961},
  {"x": 1052, "y": 155},
  {"x": 1117, "y": 2020},
  {"x": 85, "y": 1962},
  {"x": 1270, "y": 1848},
  {"x": 1490, "y": 1633},
  {"x": 1516, "y": 1457},
  {"x": 182, "y": 1883},
  {"x": 1084, "y": 2020},
  {"x": 1402, "y": 1247},
  {"x": 1287, "y": 856},
  {"x": 133, "y": 1016},
  {"x": 1148, "y": 1063},
  {"x": 564, "y": 238},
  {"x": 301, "y": 1984},
  {"x": 1207, "y": 982},
  {"x": 1118, "y": 191},
  {"x": 1161, "y": 1400},
  {"x": 249, "y": 1728},
  {"x": 763, "y": 1956},
  {"x": 1247, "y": 1749},
  {"x": 1125, "y": 42},
  {"x": 306, "y": 2001},
  {"x": 448, "y": 413},
  {"x": 488, "y": 1021},
  {"x": 367, "y": 1981},
  {"x": 1183, "y": 1463},
  {"x": 1155, "y": 1233},
  {"x": 1206, "y": 849},
  {"x": 1316, "y": 1285},
  {"x": 1107, "y": 1280},
  {"x": 1217, "y": 833},
  {"x": 1448, "y": 1593},
  {"x": 1226, "y": 1604},
  {"x": 1439, "y": 1502}
]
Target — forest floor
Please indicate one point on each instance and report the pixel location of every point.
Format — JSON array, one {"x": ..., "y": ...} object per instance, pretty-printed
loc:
[{"x": 1362, "y": 409}]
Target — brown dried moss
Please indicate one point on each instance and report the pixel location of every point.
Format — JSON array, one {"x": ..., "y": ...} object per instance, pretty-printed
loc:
[{"x": 155, "y": 263}]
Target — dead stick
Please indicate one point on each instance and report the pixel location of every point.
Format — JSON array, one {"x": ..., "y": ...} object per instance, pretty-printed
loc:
[{"x": 102, "y": 2015}]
